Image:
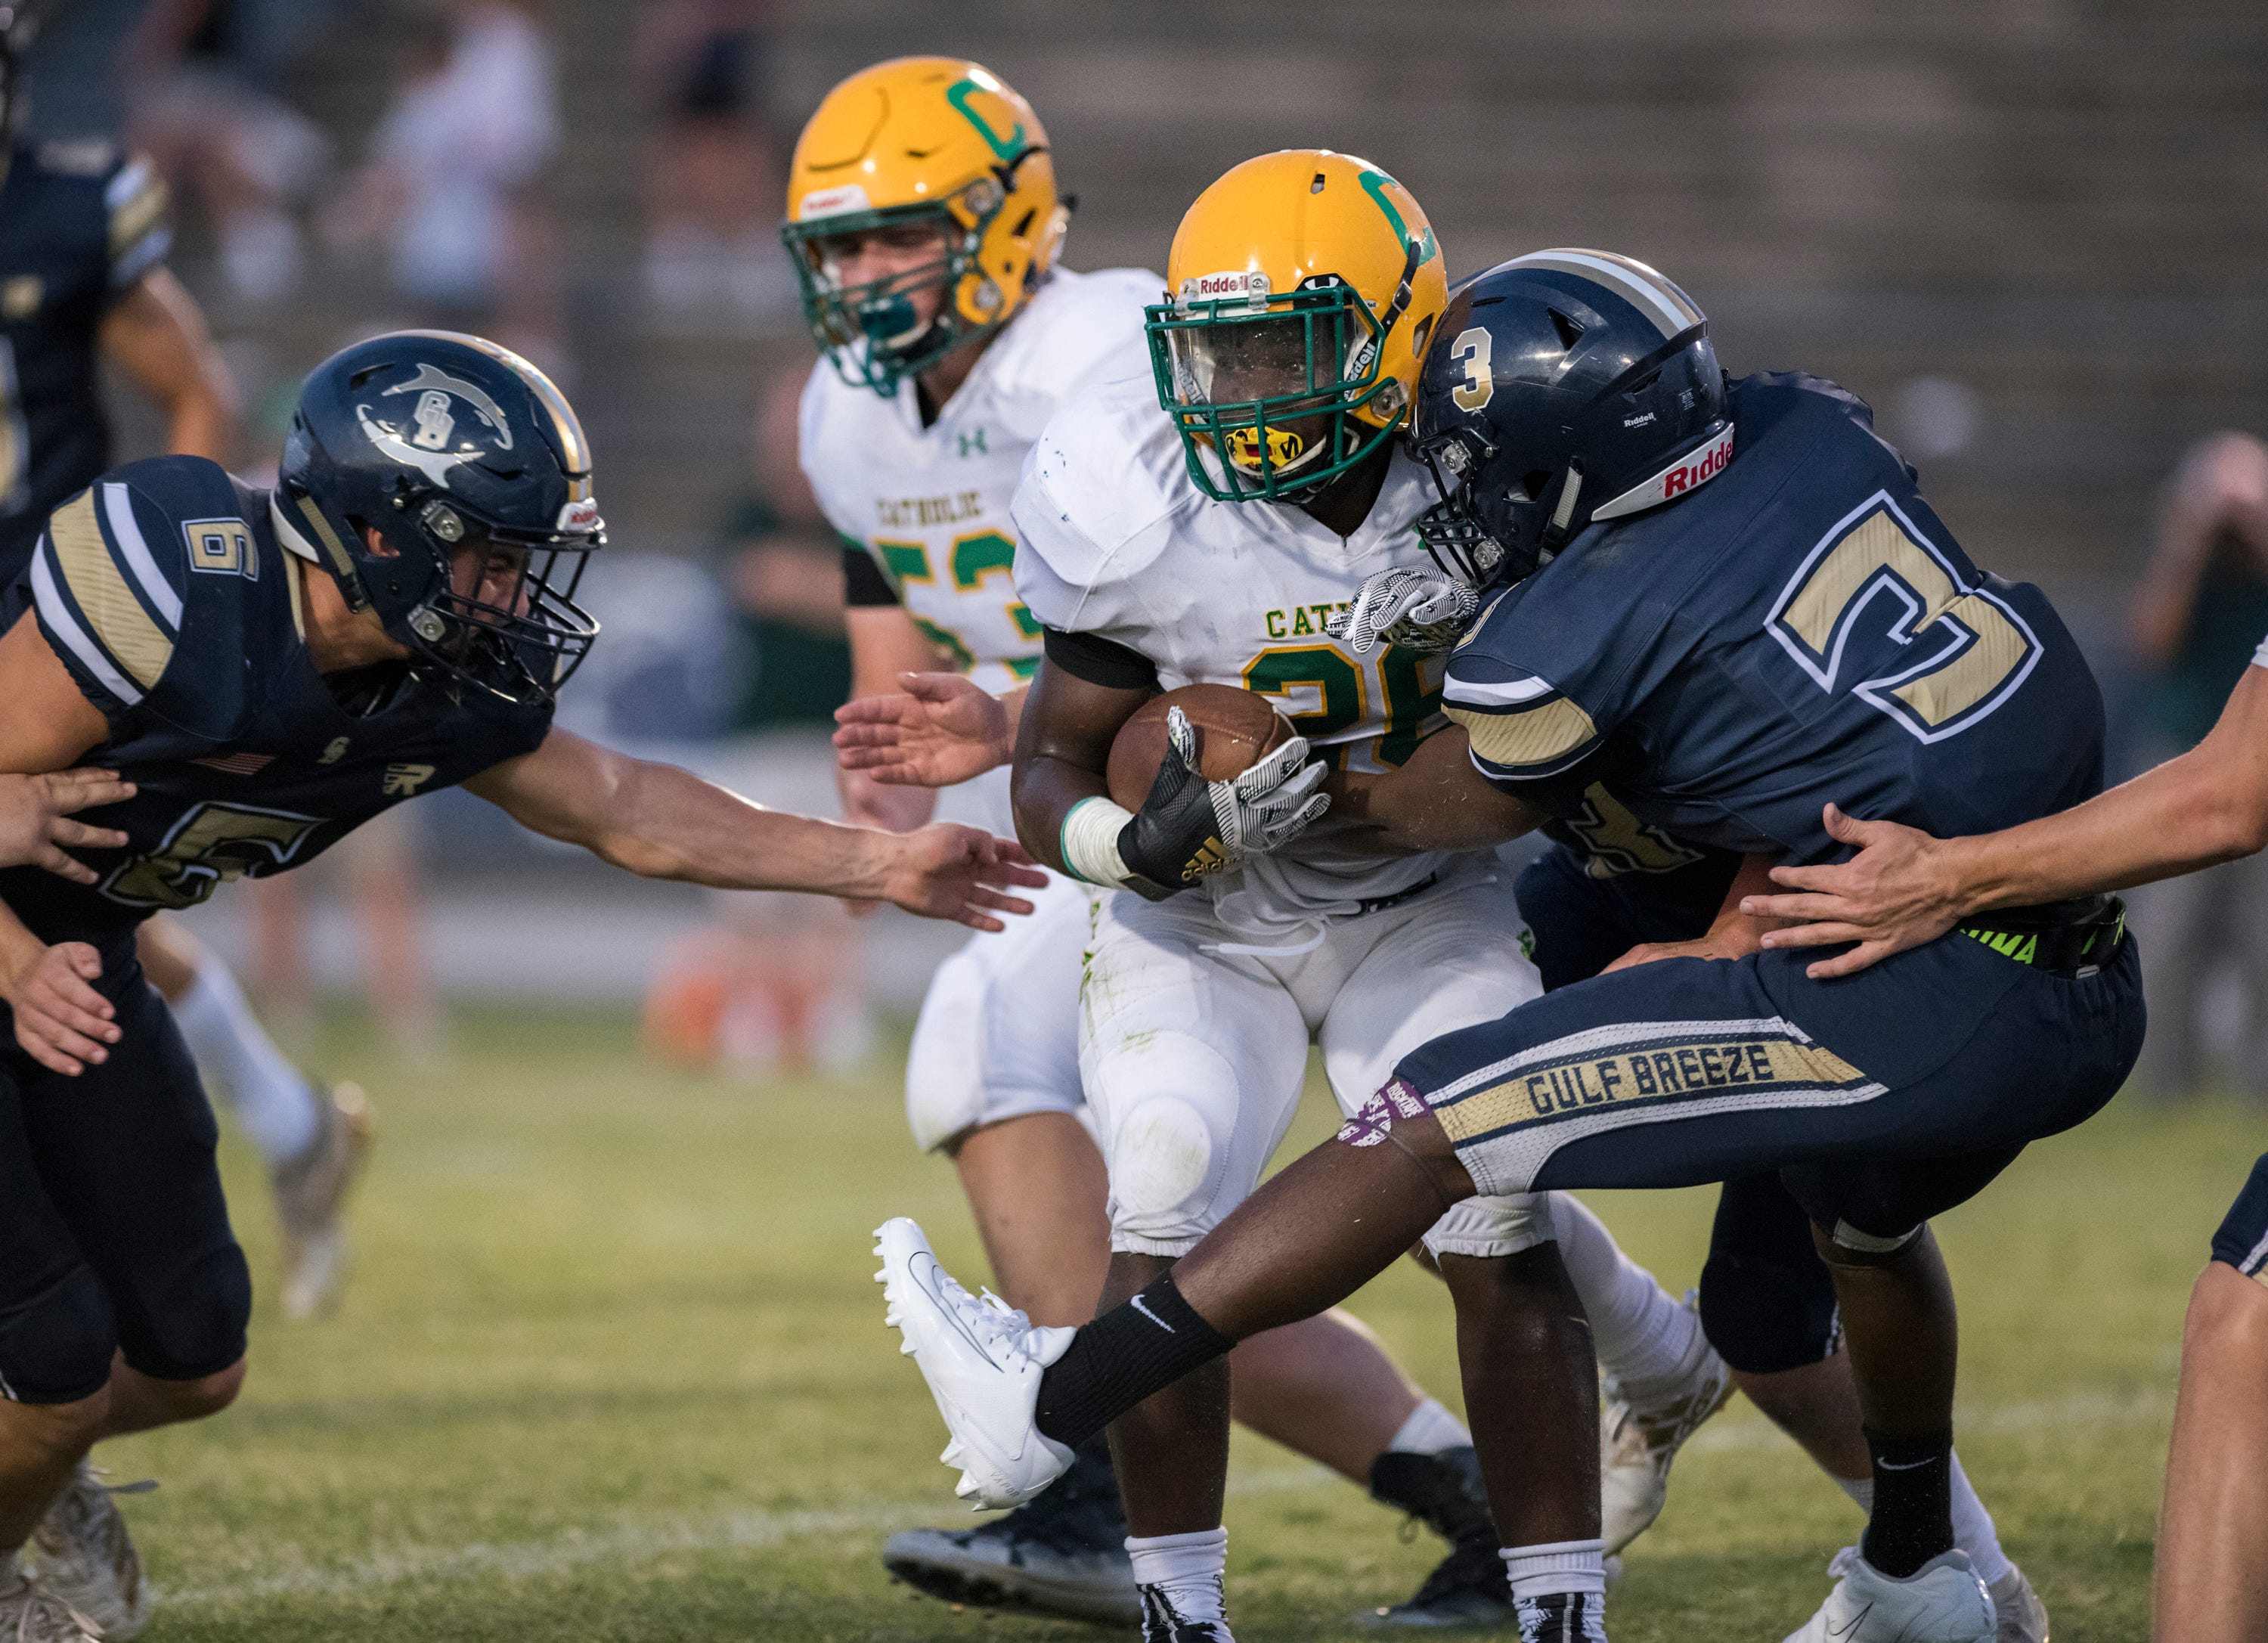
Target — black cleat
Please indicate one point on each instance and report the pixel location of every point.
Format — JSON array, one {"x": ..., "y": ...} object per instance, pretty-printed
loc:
[
  {"x": 1563, "y": 1617},
  {"x": 1162, "y": 1623},
  {"x": 1467, "y": 1588},
  {"x": 1063, "y": 1554}
]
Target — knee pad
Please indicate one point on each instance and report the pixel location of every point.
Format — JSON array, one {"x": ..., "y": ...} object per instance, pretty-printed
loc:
[
  {"x": 1767, "y": 1299},
  {"x": 195, "y": 1326},
  {"x": 57, "y": 1347},
  {"x": 1485, "y": 1227},
  {"x": 1174, "y": 1147}
]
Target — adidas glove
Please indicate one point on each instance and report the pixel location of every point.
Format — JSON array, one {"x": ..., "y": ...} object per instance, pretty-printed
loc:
[
  {"x": 1189, "y": 826},
  {"x": 1420, "y": 610}
]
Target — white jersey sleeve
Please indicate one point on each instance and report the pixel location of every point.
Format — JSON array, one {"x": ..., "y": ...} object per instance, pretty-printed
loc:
[{"x": 1091, "y": 517}]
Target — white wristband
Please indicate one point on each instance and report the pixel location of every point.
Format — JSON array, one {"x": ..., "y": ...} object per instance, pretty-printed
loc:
[{"x": 1090, "y": 841}]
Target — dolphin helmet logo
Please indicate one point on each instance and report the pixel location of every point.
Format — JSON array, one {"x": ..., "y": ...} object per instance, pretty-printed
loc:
[{"x": 435, "y": 420}]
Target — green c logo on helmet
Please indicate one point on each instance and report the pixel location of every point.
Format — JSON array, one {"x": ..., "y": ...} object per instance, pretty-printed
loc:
[{"x": 1006, "y": 148}]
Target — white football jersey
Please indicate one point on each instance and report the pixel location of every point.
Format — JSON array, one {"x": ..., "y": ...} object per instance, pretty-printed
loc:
[
  {"x": 1117, "y": 541},
  {"x": 931, "y": 504}
]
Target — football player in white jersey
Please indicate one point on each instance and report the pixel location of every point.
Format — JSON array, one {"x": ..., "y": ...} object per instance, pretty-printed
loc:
[
  {"x": 1198, "y": 522},
  {"x": 923, "y": 222}
]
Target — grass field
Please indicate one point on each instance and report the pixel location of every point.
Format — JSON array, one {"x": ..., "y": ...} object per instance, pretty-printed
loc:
[{"x": 611, "y": 1368}]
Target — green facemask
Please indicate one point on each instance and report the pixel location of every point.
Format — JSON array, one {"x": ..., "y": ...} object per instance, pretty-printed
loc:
[{"x": 1264, "y": 391}]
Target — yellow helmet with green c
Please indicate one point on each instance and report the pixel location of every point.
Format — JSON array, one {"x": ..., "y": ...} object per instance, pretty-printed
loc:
[
  {"x": 1302, "y": 287},
  {"x": 921, "y": 140}
]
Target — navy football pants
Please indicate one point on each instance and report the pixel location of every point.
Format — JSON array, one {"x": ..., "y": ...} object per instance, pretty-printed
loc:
[
  {"x": 113, "y": 1236},
  {"x": 1767, "y": 1303},
  {"x": 1879, "y": 1100}
]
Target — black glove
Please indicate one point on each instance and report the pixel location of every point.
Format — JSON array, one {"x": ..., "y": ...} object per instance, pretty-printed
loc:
[{"x": 1189, "y": 826}]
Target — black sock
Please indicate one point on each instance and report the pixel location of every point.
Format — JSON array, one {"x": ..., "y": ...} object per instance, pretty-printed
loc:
[
  {"x": 1912, "y": 1520},
  {"x": 1122, "y": 1357}
]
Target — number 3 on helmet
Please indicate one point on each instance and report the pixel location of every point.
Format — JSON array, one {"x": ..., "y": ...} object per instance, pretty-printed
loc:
[{"x": 1301, "y": 289}]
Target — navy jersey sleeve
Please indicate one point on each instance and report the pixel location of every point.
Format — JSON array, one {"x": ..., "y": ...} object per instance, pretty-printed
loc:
[
  {"x": 135, "y": 209},
  {"x": 1541, "y": 683},
  {"x": 136, "y": 585}
]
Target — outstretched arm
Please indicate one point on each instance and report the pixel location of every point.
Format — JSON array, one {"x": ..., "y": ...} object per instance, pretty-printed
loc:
[
  {"x": 662, "y": 822},
  {"x": 1904, "y": 888}
]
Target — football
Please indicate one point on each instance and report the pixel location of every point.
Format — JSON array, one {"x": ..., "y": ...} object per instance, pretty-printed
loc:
[{"x": 1234, "y": 727}]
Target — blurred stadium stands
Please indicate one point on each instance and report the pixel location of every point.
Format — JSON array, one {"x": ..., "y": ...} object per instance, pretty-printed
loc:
[{"x": 2033, "y": 232}]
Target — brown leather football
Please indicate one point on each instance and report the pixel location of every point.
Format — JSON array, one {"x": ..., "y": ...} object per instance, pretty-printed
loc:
[{"x": 1234, "y": 727}]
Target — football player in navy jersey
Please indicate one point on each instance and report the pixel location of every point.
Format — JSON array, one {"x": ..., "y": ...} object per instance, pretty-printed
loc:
[
  {"x": 1729, "y": 601},
  {"x": 83, "y": 280},
  {"x": 1905, "y": 890},
  {"x": 268, "y": 669}
]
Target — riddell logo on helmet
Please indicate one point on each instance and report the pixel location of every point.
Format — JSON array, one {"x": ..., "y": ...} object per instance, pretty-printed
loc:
[
  {"x": 1707, "y": 465},
  {"x": 1680, "y": 476},
  {"x": 579, "y": 516},
  {"x": 1225, "y": 285},
  {"x": 847, "y": 196}
]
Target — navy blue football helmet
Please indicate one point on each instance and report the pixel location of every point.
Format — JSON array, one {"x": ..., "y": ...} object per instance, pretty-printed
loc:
[
  {"x": 471, "y": 471},
  {"x": 1561, "y": 387}
]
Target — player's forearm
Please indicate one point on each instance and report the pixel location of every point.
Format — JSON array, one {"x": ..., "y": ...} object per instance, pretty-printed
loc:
[
  {"x": 1045, "y": 792},
  {"x": 1436, "y": 801},
  {"x": 2184, "y": 815},
  {"x": 668, "y": 823},
  {"x": 199, "y": 424}
]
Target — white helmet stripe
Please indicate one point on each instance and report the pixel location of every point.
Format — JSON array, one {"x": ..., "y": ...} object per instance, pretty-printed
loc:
[{"x": 1645, "y": 290}]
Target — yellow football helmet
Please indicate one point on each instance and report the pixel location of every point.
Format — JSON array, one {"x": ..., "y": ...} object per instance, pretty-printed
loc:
[
  {"x": 1301, "y": 288},
  {"x": 920, "y": 140}
]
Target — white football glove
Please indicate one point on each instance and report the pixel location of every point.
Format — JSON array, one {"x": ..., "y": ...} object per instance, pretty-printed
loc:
[
  {"x": 1189, "y": 826},
  {"x": 1420, "y": 610}
]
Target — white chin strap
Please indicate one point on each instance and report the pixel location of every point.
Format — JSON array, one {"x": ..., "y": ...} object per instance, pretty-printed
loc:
[{"x": 1689, "y": 472}]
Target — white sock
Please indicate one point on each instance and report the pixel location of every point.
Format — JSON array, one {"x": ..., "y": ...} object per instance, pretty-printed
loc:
[
  {"x": 1431, "y": 1429},
  {"x": 272, "y": 1102},
  {"x": 1644, "y": 1338},
  {"x": 1561, "y": 1566},
  {"x": 1973, "y": 1532},
  {"x": 1188, "y": 1567}
]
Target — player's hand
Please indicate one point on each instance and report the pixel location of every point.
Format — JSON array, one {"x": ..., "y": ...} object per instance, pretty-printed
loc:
[
  {"x": 61, "y": 1020},
  {"x": 947, "y": 871},
  {"x": 940, "y": 731},
  {"x": 1736, "y": 942},
  {"x": 35, "y": 822},
  {"x": 1899, "y": 891},
  {"x": 1189, "y": 826},
  {"x": 1417, "y": 610}
]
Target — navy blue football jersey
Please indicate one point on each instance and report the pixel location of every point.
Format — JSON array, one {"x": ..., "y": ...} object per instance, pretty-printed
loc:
[
  {"x": 165, "y": 592},
  {"x": 1799, "y": 630},
  {"x": 78, "y": 225}
]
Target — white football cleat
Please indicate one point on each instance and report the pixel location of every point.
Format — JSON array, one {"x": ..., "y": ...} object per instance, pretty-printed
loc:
[
  {"x": 2021, "y": 1616},
  {"x": 983, "y": 1361},
  {"x": 1942, "y": 1601},
  {"x": 1638, "y": 1441}
]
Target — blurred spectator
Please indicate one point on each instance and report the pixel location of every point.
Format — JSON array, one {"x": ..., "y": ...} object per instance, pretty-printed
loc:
[
  {"x": 204, "y": 78},
  {"x": 451, "y": 186},
  {"x": 783, "y": 568},
  {"x": 712, "y": 237},
  {"x": 2202, "y": 610}
]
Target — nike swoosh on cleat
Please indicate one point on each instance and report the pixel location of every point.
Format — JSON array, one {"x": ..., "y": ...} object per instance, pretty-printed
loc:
[
  {"x": 1136, "y": 1302},
  {"x": 1857, "y": 1621},
  {"x": 952, "y": 1315}
]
